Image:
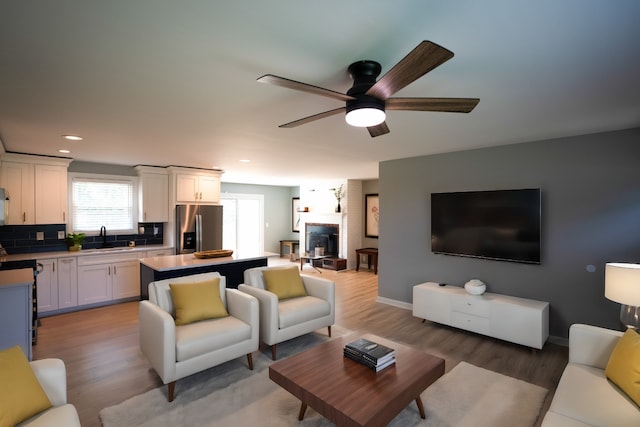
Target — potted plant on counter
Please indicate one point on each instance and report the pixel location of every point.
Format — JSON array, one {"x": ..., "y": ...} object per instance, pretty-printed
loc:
[{"x": 74, "y": 241}]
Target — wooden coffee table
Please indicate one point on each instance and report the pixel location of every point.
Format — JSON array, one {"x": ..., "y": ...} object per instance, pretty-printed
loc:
[{"x": 350, "y": 394}]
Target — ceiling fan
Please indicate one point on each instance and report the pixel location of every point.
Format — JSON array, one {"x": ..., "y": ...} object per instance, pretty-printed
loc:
[{"x": 368, "y": 99}]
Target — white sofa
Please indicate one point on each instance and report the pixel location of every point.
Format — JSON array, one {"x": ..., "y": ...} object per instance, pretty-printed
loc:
[
  {"x": 283, "y": 320},
  {"x": 52, "y": 375},
  {"x": 179, "y": 351},
  {"x": 584, "y": 396}
]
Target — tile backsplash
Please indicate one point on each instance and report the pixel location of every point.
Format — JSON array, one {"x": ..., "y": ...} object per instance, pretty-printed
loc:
[{"x": 19, "y": 239}]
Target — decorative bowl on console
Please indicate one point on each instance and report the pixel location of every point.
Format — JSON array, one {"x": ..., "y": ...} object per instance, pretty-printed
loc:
[{"x": 475, "y": 287}]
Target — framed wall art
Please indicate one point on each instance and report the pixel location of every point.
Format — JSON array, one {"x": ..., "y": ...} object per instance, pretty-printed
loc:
[
  {"x": 295, "y": 214},
  {"x": 371, "y": 215}
]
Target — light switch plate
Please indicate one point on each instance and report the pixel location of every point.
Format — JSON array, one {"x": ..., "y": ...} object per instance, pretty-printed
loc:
[
  {"x": 39, "y": 235},
  {"x": 61, "y": 235}
]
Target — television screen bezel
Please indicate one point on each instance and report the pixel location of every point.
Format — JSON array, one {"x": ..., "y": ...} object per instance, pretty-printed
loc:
[{"x": 481, "y": 256}]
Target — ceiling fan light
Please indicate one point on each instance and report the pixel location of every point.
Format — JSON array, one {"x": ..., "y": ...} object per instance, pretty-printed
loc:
[{"x": 365, "y": 117}]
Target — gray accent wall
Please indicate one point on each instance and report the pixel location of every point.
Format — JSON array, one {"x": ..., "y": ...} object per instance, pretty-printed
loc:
[{"x": 590, "y": 216}]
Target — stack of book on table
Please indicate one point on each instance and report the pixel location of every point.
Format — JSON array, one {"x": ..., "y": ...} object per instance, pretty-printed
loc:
[{"x": 375, "y": 356}]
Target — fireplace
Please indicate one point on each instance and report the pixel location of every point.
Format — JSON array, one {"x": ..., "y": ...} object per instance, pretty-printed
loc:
[{"x": 325, "y": 236}]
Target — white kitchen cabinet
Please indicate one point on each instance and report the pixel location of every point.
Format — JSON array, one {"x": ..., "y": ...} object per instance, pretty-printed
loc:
[
  {"x": 17, "y": 180},
  {"x": 51, "y": 194},
  {"x": 153, "y": 194},
  {"x": 126, "y": 279},
  {"x": 160, "y": 252},
  {"x": 47, "y": 285},
  {"x": 197, "y": 187},
  {"x": 108, "y": 277},
  {"x": 67, "y": 282},
  {"x": 518, "y": 320},
  {"x": 94, "y": 283},
  {"x": 36, "y": 187}
]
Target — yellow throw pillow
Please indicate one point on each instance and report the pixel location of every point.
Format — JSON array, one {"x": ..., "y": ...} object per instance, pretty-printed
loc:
[
  {"x": 623, "y": 368},
  {"x": 197, "y": 301},
  {"x": 21, "y": 395},
  {"x": 284, "y": 282}
]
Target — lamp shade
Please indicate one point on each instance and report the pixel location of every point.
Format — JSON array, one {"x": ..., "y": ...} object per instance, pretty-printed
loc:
[{"x": 622, "y": 283}]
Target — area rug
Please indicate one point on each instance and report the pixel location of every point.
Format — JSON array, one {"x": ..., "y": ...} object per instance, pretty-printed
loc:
[{"x": 231, "y": 395}]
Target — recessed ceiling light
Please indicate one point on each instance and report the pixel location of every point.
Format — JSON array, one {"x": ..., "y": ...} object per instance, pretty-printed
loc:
[
  {"x": 64, "y": 151},
  {"x": 72, "y": 137},
  {"x": 245, "y": 160}
]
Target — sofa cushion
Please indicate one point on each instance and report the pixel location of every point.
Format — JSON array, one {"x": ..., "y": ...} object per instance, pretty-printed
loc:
[
  {"x": 623, "y": 368},
  {"x": 64, "y": 415},
  {"x": 285, "y": 282},
  {"x": 584, "y": 394},
  {"x": 197, "y": 301},
  {"x": 199, "y": 338},
  {"x": 299, "y": 310},
  {"x": 553, "y": 419},
  {"x": 160, "y": 293},
  {"x": 21, "y": 395}
]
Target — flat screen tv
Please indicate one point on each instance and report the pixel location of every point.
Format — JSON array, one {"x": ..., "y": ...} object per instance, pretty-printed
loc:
[{"x": 500, "y": 225}]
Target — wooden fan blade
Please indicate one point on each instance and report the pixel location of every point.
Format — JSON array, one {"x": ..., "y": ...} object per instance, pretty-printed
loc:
[
  {"x": 448, "y": 105},
  {"x": 378, "y": 130},
  {"x": 313, "y": 118},
  {"x": 292, "y": 84},
  {"x": 424, "y": 58}
]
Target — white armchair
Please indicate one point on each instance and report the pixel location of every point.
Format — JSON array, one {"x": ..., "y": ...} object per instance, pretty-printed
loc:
[
  {"x": 176, "y": 352},
  {"x": 52, "y": 376},
  {"x": 289, "y": 318}
]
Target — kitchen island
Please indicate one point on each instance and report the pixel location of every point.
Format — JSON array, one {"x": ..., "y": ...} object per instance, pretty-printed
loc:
[{"x": 167, "y": 267}]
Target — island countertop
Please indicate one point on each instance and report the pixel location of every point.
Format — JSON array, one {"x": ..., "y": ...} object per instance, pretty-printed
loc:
[
  {"x": 170, "y": 266},
  {"x": 188, "y": 261}
]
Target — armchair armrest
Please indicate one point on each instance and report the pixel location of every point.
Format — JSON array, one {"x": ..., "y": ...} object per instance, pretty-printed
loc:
[
  {"x": 591, "y": 345},
  {"x": 320, "y": 288},
  {"x": 52, "y": 375},
  {"x": 268, "y": 303},
  {"x": 244, "y": 307},
  {"x": 158, "y": 339}
]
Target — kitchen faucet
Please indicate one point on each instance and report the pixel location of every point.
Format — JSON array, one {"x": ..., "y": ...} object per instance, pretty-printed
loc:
[{"x": 103, "y": 234}]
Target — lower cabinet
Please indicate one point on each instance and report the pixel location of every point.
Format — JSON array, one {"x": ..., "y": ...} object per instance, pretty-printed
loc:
[
  {"x": 47, "y": 285},
  {"x": 104, "y": 278},
  {"x": 67, "y": 282}
]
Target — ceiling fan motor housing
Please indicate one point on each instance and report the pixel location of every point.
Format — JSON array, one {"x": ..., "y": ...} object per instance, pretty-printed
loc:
[{"x": 364, "y": 74}]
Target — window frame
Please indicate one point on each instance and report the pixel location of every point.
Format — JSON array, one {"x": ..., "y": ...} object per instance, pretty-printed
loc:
[{"x": 132, "y": 180}]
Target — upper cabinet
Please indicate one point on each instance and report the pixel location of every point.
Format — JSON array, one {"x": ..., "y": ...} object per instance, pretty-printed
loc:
[
  {"x": 36, "y": 189},
  {"x": 51, "y": 194},
  {"x": 17, "y": 180},
  {"x": 196, "y": 185},
  {"x": 153, "y": 194}
]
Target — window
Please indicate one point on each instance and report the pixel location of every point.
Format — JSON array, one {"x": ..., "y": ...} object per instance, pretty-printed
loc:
[{"x": 98, "y": 200}]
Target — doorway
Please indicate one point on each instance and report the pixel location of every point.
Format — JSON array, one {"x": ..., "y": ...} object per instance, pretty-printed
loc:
[{"x": 242, "y": 229}]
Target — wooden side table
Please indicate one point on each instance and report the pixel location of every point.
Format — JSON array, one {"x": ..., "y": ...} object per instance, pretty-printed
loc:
[
  {"x": 292, "y": 245},
  {"x": 372, "y": 255}
]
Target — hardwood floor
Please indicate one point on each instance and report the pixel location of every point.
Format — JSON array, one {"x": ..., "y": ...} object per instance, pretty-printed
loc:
[{"x": 105, "y": 366}]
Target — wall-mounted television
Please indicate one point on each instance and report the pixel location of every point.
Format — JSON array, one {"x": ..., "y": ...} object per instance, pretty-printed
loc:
[{"x": 501, "y": 225}]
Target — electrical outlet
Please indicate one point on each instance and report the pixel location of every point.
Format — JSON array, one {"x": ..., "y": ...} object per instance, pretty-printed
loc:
[
  {"x": 60, "y": 235},
  {"x": 39, "y": 235}
]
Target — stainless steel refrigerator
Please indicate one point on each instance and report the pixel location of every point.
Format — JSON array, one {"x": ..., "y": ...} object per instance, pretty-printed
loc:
[{"x": 198, "y": 228}]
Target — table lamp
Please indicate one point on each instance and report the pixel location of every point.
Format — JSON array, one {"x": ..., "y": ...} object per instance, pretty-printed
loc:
[{"x": 622, "y": 284}]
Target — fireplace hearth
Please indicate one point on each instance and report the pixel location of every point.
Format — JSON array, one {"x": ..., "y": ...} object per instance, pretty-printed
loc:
[{"x": 325, "y": 236}]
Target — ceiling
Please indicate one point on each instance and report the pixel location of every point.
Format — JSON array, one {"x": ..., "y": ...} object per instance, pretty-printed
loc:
[{"x": 174, "y": 82}]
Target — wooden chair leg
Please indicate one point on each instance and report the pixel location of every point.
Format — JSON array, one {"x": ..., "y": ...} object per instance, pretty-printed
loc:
[
  {"x": 329, "y": 328},
  {"x": 170, "y": 390},
  {"x": 250, "y": 361},
  {"x": 273, "y": 352}
]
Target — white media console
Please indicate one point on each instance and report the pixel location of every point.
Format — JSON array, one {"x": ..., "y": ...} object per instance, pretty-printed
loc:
[{"x": 518, "y": 320}]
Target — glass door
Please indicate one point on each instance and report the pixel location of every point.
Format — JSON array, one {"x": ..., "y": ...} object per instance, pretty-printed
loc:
[{"x": 242, "y": 229}]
